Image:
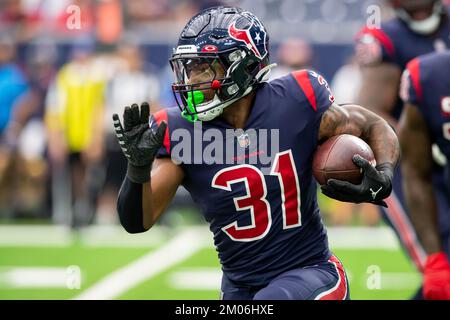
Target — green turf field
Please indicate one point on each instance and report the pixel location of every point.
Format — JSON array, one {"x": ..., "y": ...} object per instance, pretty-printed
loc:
[{"x": 41, "y": 269}]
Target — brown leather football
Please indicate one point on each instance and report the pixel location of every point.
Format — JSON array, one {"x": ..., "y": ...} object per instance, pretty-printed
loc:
[{"x": 333, "y": 159}]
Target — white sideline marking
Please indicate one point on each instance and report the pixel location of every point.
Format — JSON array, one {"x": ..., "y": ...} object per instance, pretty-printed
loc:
[
  {"x": 173, "y": 252},
  {"x": 196, "y": 279},
  {"x": 210, "y": 278},
  {"x": 94, "y": 236},
  {"x": 33, "y": 277},
  {"x": 35, "y": 235},
  {"x": 115, "y": 237},
  {"x": 399, "y": 280},
  {"x": 362, "y": 238}
]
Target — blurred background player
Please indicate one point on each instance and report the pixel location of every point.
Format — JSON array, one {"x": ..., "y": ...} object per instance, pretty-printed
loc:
[
  {"x": 425, "y": 89},
  {"x": 420, "y": 26}
]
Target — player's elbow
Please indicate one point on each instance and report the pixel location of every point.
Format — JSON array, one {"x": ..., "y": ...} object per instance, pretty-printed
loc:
[
  {"x": 132, "y": 229},
  {"x": 129, "y": 219}
]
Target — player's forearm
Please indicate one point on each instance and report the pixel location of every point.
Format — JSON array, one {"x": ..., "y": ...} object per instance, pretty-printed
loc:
[
  {"x": 378, "y": 134},
  {"x": 360, "y": 122},
  {"x": 150, "y": 215},
  {"x": 138, "y": 210},
  {"x": 383, "y": 141},
  {"x": 130, "y": 206},
  {"x": 419, "y": 196},
  {"x": 387, "y": 116}
]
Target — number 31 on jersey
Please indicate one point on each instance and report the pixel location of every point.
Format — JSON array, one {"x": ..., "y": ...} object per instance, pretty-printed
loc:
[{"x": 256, "y": 193}]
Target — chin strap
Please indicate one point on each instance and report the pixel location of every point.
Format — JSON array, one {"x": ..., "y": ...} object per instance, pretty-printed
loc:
[
  {"x": 217, "y": 111},
  {"x": 217, "y": 105},
  {"x": 263, "y": 74}
]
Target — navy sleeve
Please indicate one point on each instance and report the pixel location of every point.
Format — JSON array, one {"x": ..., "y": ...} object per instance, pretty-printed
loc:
[
  {"x": 314, "y": 97},
  {"x": 129, "y": 206},
  {"x": 313, "y": 89}
]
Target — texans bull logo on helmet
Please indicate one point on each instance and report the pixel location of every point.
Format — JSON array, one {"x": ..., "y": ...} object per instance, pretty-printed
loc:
[{"x": 254, "y": 36}]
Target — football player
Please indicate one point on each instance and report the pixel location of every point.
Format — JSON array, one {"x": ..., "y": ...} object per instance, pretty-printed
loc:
[
  {"x": 425, "y": 120},
  {"x": 266, "y": 223},
  {"x": 420, "y": 27}
]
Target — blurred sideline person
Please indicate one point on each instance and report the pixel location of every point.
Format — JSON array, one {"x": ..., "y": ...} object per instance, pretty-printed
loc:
[
  {"x": 26, "y": 137},
  {"x": 420, "y": 26},
  {"x": 74, "y": 119},
  {"x": 425, "y": 89},
  {"x": 13, "y": 84},
  {"x": 293, "y": 54},
  {"x": 266, "y": 223}
]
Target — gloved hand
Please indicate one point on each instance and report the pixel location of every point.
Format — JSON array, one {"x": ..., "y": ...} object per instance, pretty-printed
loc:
[
  {"x": 138, "y": 142},
  {"x": 436, "y": 276},
  {"x": 375, "y": 186}
]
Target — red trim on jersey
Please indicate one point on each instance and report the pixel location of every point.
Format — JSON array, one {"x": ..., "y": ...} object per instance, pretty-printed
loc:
[
  {"x": 160, "y": 116},
  {"x": 399, "y": 220},
  {"x": 302, "y": 78},
  {"x": 381, "y": 36},
  {"x": 414, "y": 72},
  {"x": 339, "y": 291}
]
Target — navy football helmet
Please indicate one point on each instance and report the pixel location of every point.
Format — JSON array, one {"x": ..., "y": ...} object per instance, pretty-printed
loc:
[{"x": 221, "y": 38}]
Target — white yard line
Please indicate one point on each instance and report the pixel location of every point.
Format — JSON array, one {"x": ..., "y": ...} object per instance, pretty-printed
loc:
[{"x": 173, "y": 252}]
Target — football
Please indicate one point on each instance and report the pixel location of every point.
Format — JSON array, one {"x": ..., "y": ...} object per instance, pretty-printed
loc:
[{"x": 333, "y": 159}]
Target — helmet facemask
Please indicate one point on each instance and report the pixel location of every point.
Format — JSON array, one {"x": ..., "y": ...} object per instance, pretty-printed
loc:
[{"x": 206, "y": 83}]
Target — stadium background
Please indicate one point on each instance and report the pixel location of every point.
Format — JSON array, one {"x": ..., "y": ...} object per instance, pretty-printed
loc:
[{"x": 59, "y": 236}]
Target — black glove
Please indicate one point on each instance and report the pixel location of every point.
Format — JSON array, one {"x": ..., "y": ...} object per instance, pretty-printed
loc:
[
  {"x": 138, "y": 142},
  {"x": 375, "y": 186}
]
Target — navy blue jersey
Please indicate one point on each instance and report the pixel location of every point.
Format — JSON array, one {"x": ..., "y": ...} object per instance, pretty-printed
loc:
[
  {"x": 255, "y": 186},
  {"x": 394, "y": 42},
  {"x": 399, "y": 44},
  {"x": 426, "y": 84}
]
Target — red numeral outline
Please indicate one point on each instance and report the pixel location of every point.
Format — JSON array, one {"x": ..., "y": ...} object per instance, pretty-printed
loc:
[{"x": 255, "y": 196}]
